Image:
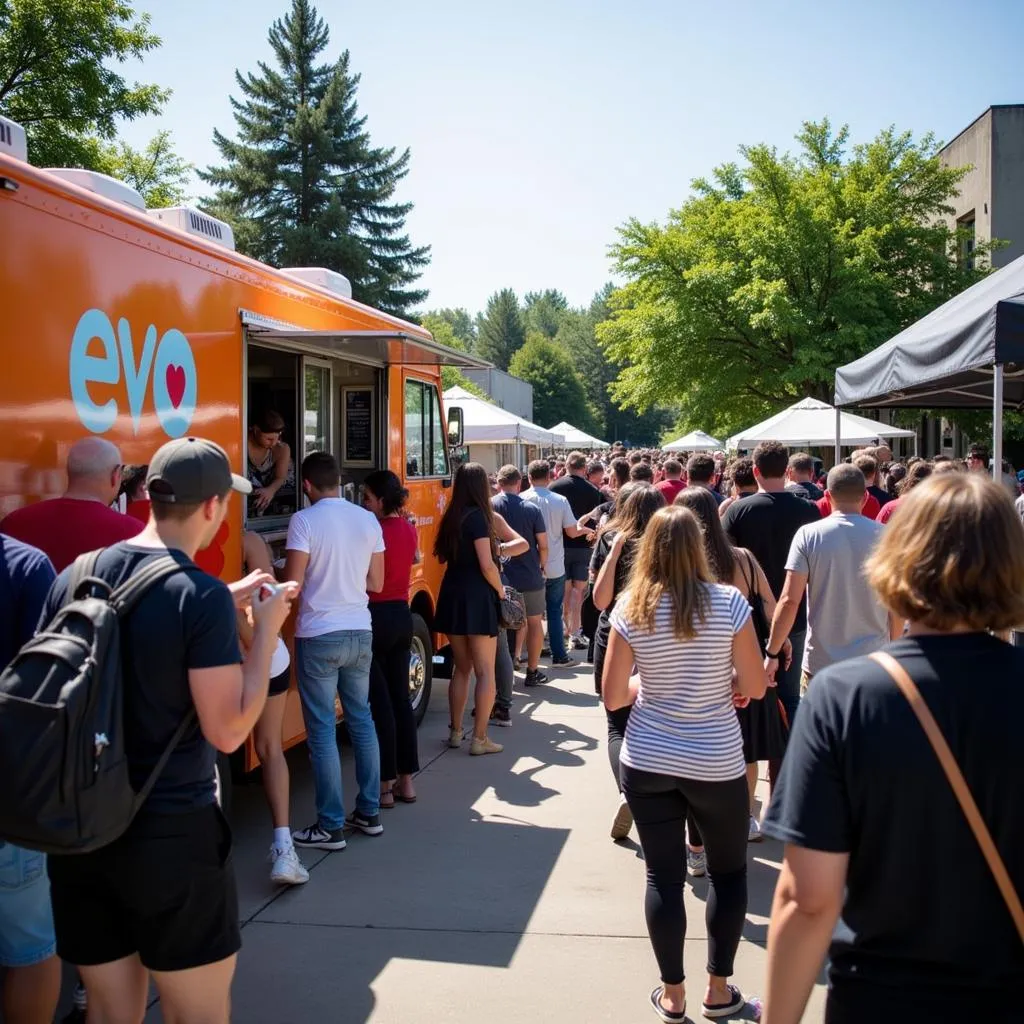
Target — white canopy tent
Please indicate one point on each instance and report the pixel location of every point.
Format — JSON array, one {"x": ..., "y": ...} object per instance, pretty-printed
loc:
[
  {"x": 695, "y": 441},
  {"x": 577, "y": 438},
  {"x": 810, "y": 423}
]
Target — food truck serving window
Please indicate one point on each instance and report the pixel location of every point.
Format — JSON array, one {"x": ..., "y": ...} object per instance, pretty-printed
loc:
[{"x": 425, "y": 448}]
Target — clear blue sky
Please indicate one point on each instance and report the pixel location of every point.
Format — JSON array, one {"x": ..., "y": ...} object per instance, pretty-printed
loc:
[{"x": 538, "y": 127}]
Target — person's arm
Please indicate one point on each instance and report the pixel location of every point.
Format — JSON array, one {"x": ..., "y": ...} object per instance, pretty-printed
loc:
[
  {"x": 510, "y": 543},
  {"x": 256, "y": 553},
  {"x": 749, "y": 677},
  {"x": 785, "y": 615},
  {"x": 486, "y": 558},
  {"x": 808, "y": 901},
  {"x": 282, "y": 460},
  {"x": 604, "y": 585},
  {"x": 295, "y": 565},
  {"x": 618, "y": 686},
  {"x": 570, "y": 526},
  {"x": 542, "y": 549},
  {"x": 375, "y": 574},
  {"x": 229, "y": 698}
]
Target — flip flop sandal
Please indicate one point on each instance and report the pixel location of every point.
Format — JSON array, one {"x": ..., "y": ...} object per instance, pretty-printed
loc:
[
  {"x": 387, "y": 801},
  {"x": 714, "y": 1011},
  {"x": 666, "y": 1015},
  {"x": 405, "y": 799}
]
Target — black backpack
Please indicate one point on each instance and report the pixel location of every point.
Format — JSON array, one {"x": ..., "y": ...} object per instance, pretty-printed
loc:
[{"x": 62, "y": 748}]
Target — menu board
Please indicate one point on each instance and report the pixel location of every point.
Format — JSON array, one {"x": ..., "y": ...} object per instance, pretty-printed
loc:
[{"x": 358, "y": 426}]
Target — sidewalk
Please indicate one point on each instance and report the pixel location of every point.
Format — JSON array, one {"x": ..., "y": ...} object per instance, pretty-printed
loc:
[{"x": 498, "y": 895}]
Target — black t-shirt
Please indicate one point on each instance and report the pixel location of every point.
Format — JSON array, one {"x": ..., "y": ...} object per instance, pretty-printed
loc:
[
  {"x": 765, "y": 524},
  {"x": 808, "y": 488},
  {"x": 882, "y": 497},
  {"x": 186, "y": 621},
  {"x": 583, "y": 497},
  {"x": 466, "y": 563},
  {"x": 623, "y": 567},
  {"x": 925, "y": 934}
]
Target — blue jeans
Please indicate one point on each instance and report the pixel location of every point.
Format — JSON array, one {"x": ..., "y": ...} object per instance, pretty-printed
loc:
[
  {"x": 554, "y": 595},
  {"x": 789, "y": 681},
  {"x": 339, "y": 663},
  {"x": 26, "y": 919}
]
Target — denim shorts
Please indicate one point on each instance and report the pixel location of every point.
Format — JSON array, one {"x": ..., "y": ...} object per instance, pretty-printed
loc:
[{"x": 26, "y": 918}]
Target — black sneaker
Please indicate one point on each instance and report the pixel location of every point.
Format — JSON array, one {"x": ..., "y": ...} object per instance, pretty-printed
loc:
[
  {"x": 365, "y": 824},
  {"x": 535, "y": 678},
  {"x": 562, "y": 661},
  {"x": 316, "y": 838},
  {"x": 545, "y": 652},
  {"x": 501, "y": 716}
]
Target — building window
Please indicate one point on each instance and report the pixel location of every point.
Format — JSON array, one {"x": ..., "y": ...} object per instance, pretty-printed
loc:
[
  {"x": 966, "y": 241},
  {"x": 426, "y": 451}
]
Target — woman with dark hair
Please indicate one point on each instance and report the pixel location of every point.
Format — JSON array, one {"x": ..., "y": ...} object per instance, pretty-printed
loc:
[
  {"x": 385, "y": 497},
  {"x": 761, "y": 723},
  {"x": 918, "y": 472},
  {"x": 269, "y": 460},
  {"x": 133, "y": 483},
  {"x": 610, "y": 565},
  {"x": 866, "y": 803},
  {"x": 470, "y": 542}
]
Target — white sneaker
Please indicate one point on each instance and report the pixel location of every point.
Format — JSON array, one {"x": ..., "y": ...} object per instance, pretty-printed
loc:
[
  {"x": 287, "y": 869},
  {"x": 622, "y": 822},
  {"x": 696, "y": 862},
  {"x": 754, "y": 834}
]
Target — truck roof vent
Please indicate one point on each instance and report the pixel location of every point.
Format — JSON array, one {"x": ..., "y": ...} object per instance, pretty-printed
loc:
[
  {"x": 12, "y": 139},
  {"x": 195, "y": 222},
  {"x": 321, "y": 277},
  {"x": 101, "y": 184}
]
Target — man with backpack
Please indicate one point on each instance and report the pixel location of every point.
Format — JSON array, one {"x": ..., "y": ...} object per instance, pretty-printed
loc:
[{"x": 159, "y": 898}]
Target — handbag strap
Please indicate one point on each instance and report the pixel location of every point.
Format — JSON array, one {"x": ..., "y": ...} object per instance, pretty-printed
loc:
[{"x": 959, "y": 785}]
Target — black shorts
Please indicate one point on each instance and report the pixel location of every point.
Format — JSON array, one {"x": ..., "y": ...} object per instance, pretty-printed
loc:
[
  {"x": 165, "y": 890},
  {"x": 279, "y": 683},
  {"x": 577, "y": 564}
]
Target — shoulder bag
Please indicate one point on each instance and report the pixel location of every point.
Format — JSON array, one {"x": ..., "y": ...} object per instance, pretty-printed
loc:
[{"x": 958, "y": 783}]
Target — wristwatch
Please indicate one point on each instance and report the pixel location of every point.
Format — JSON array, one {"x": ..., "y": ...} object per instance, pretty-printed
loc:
[{"x": 774, "y": 657}]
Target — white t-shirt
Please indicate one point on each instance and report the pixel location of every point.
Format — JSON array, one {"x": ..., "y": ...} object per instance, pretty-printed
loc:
[
  {"x": 558, "y": 515},
  {"x": 340, "y": 539},
  {"x": 683, "y": 722}
]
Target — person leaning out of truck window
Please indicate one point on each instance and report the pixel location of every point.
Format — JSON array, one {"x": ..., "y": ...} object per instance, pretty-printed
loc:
[{"x": 269, "y": 459}]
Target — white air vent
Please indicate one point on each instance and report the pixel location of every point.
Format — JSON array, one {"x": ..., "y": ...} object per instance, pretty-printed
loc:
[
  {"x": 12, "y": 139},
  {"x": 321, "y": 277},
  {"x": 185, "y": 218},
  {"x": 102, "y": 185}
]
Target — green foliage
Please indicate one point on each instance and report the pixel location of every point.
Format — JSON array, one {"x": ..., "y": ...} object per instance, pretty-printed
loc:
[
  {"x": 499, "y": 331},
  {"x": 774, "y": 273},
  {"x": 544, "y": 311},
  {"x": 56, "y": 76},
  {"x": 443, "y": 332},
  {"x": 557, "y": 390},
  {"x": 462, "y": 324},
  {"x": 157, "y": 171},
  {"x": 302, "y": 182}
]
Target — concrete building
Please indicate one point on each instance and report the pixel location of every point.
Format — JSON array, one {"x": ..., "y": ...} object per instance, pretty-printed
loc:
[
  {"x": 991, "y": 200},
  {"x": 504, "y": 390}
]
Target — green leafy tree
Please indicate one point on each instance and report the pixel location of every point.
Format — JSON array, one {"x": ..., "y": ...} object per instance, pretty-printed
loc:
[
  {"x": 557, "y": 390},
  {"x": 57, "y": 77},
  {"x": 302, "y": 180},
  {"x": 499, "y": 331},
  {"x": 156, "y": 171},
  {"x": 444, "y": 333},
  {"x": 775, "y": 272},
  {"x": 461, "y": 322},
  {"x": 544, "y": 311}
]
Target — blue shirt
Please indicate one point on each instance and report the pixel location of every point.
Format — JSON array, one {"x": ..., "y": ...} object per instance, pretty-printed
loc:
[
  {"x": 25, "y": 578},
  {"x": 523, "y": 571}
]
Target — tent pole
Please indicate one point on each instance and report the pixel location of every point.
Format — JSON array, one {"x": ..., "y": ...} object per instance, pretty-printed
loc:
[
  {"x": 997, "y": 422},
  {"x": 839, "y": 434}
]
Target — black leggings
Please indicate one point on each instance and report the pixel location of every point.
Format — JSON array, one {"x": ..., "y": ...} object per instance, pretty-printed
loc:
[
  {"x": 617, "y": 721},
  {"x": 660, "y": 804},
  {"x": 389, "y": 689}
]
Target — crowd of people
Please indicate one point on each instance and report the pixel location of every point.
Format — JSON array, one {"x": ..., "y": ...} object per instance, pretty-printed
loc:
[{"x": 731, "y": 609}]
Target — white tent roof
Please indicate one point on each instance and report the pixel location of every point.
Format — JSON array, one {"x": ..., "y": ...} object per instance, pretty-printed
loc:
[
  {"x": 810, "y": 422},
  {"x": 695, "y": 441},
  {"x": 578, "y": 438},
  {"x": 485, "y": 423}
]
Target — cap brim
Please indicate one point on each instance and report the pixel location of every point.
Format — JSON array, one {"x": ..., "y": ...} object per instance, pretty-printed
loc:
[{"x": 240, "y": 484}]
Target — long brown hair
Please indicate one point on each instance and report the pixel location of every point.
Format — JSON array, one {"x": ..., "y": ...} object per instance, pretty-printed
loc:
[
  {"x": 670, "y": 563},
  {"x": 634, "y": 512},
  {"x": 471, "y": 489},
  {"x": 721, "y": 557}
]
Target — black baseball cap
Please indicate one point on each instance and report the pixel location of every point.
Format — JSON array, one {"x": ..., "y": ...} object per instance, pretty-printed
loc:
[{"x": 192, "y": 470}]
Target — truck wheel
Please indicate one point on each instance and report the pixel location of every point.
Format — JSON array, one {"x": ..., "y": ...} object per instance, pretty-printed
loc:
[{"x": 421, "y": 668}]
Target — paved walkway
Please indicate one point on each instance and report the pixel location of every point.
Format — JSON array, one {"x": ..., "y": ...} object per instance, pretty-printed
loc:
[{"x": 498, "y": 896}]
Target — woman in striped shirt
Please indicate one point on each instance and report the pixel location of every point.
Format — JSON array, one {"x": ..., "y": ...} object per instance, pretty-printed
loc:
[{"x": 696, "y": 657}]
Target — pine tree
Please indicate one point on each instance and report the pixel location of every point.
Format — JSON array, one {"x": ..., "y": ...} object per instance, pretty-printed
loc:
[
  {"x": 499, "y": 332},
  {"x": 302, "y": 181}
]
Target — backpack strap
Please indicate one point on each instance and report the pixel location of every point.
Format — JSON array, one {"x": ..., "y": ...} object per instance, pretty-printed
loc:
[
  {"x": 82, "y": 568},
  {"x": 179, "y": 734},
  {"x": 128, "y": 594}
]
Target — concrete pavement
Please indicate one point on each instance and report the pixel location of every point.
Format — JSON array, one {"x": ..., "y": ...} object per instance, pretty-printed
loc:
[{"x": 498, "y": 895}]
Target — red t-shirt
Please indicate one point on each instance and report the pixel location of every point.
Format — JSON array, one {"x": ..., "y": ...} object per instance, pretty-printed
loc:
[
  {"x": 400, "y": 543},
  {"x": 870, "y": 507},
  {"x": 68, "y": 527},
  {"x": 887, "y": 510},
  {"x": 670, "y": 488}
]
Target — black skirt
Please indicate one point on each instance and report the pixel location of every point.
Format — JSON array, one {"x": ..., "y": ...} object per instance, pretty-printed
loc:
[
  {"x": 764, "y": 729},
  {"x": 466, "y": 606}
]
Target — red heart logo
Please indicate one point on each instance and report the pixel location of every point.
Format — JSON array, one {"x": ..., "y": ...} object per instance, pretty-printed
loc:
[{"x": 175, "y": 380}]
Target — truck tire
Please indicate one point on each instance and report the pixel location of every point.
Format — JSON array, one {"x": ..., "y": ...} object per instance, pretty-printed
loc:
[{"x": 421, "y": 668}]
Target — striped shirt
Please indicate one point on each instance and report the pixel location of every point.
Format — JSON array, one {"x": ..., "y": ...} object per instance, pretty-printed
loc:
[{"x": 683, "y": 723}]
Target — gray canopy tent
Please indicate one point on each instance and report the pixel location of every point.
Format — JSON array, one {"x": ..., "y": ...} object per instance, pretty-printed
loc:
[{"x": 967, "y": 354}]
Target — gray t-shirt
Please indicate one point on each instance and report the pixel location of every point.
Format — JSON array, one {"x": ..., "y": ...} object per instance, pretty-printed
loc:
[
  {"x": 845, "y": 619},
  {"x": 557, "y": 516}
]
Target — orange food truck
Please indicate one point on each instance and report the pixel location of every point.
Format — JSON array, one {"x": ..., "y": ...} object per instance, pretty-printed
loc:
[{"x": 143, "y": 325}]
